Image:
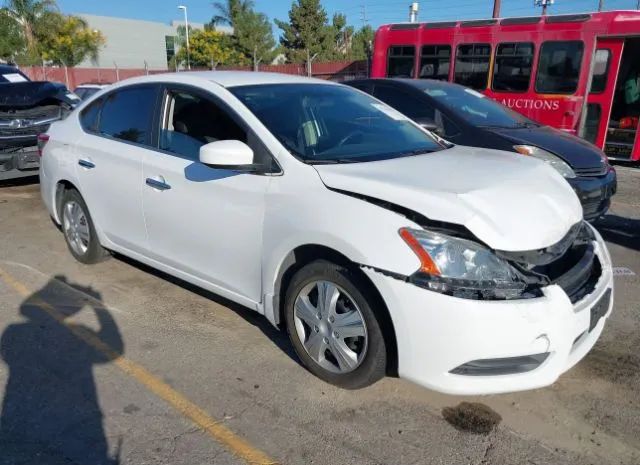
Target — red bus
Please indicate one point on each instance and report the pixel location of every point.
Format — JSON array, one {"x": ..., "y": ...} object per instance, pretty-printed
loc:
[{"x": 539, "y": 66}]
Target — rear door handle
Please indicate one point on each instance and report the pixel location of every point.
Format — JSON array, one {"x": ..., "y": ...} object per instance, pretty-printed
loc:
[
  {"x": 161, "y": 185},
  {"x": 86, "y": 164}
]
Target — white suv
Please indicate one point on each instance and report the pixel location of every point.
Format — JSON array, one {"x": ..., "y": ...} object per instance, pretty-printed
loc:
[{"x": 380, "y": 247}]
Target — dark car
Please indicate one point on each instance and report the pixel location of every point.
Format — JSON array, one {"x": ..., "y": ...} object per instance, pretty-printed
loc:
[
  {"x": 27, "y": 108},
  {"x": 466, "y": 117}
]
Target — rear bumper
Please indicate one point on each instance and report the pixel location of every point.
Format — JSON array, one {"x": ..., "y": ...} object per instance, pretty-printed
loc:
[
  {"x": 595, "y": 193},
  {"x": 437, "y": 334},
  {"x": 19, "y": 163}
]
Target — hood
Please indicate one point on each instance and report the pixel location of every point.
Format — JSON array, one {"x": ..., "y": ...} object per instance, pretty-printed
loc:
[
  {"x": 510, "y": 203},
  {"x": 28, "y": 94},
  {"x": 577, "y": 152}
]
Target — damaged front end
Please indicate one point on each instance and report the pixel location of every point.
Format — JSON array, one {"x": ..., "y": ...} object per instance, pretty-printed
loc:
[{"x": 27, "y": 109}]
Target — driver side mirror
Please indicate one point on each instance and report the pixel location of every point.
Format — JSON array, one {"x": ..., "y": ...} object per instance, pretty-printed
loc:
[
  {"x": 228, "y": 155},
  {"x": 430, "y": 125}
]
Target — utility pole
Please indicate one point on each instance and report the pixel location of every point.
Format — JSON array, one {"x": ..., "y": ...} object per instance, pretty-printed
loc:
[
  {"x": 363, "y": 14},
  {"x": 186, "y": 32},
  {"x": 544, "y": 4},
  {"x": 413, "y": 12},
  {"x": 496, "y": 8},
  {"x": 600, "y": 4}
]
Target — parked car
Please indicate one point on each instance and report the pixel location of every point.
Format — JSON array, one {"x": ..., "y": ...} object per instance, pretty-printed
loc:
[
  {"x": 27, "y": 109},
  {"x": 84, "y": 91},
  {"x": 466, "y": 117},
  {"x": 374, "y": 243}
]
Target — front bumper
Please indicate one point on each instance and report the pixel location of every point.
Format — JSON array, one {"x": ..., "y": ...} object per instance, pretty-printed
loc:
[
  {"x": 19, "y": 162},
  {"x": 595, "y": 193},
  {"x": 437, "y": 333}
]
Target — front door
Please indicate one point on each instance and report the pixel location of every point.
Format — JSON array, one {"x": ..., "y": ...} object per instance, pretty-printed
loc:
[
  {"x": 202, "y": 221},
  {"x": 604, "y": 74}
]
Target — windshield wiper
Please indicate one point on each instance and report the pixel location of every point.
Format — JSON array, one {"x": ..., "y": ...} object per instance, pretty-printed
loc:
[{"x": 331, "y": 161}]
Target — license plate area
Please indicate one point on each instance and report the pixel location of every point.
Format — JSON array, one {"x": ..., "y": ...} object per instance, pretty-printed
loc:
[{"x": 600, "y": 309}]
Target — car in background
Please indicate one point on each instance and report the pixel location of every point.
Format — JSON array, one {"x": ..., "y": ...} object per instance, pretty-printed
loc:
[
  {"x": 84, "y": 91},
  {"x": 27, "y": 108},
  {"x": 376, "y": 244},
  {"x": 466, "y": 117}
]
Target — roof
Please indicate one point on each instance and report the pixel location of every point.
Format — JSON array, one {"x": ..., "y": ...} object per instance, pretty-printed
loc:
[{"x": 248, "y": 78}]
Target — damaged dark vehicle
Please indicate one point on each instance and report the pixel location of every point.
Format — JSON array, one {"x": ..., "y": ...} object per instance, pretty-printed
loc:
[{"x": 27, "y": 108}]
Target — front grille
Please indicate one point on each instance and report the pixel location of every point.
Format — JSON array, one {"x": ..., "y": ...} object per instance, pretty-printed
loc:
[
  {"x": 595, "y": 171},
  {"x": 45, "y": 111},
  {"x": 31, "y": 131}
]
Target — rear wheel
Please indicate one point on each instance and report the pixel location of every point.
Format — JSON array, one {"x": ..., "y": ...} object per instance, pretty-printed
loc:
[
  {"x": 78, "y": 229},
  {"x": 332, "y": 326}
]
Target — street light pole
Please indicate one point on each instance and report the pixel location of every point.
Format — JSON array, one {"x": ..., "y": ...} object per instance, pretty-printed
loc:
[{"x": 186, "y": 32}]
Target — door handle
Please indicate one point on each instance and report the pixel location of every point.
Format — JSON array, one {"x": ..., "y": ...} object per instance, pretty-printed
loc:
[
  {"x": 86, "y": 164},
  {"x": 161, "y": 185}
]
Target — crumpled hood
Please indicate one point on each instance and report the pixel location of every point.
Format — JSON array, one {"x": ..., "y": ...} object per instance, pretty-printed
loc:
[
  {"x": 30, "y": 93},
  {"x": 510, "y": 203}
]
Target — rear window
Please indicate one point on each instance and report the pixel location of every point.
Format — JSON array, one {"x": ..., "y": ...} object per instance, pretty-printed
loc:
[
  {"x": 401, "y": 61},
  {"x": 559, "y": 67},
  {"x": 472, "y": 65},
  {"x": 435, "y": 61},
  {"x": 512, "y": 67},
  {"x": 127, "y": 114}
]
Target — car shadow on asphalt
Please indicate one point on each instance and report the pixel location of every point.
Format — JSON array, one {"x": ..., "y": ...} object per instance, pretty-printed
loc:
[
  {"x": 50, "y": 410},
  {"x": 279, "y": 338},
  {"x": 620, "y": 230},
  {"x": 26, "y": 181}
]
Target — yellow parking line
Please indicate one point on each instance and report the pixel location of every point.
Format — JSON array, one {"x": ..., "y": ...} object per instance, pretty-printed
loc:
[{"x": 234, "y": 443}]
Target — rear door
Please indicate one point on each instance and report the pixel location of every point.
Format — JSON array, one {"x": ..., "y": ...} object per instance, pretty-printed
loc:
[
  {"x": 109, "y": 163},
  {"x": 604, "y": 73}
]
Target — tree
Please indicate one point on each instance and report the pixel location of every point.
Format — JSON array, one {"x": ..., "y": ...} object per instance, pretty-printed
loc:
[
  {"x": 71, "y": 41},
  {"x": 362, "y": 42},
  {"x": 254, "y": 36},
  {"x": 11, "y": 41},
  {"x": 28, "y": 14},
  {"x": 228, "y": 11},
  {"x": 307, "y": 34},
  {"x": 208, "y": 48}
]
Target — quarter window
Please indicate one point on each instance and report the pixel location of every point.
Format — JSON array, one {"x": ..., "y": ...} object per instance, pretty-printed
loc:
[
  {"x": 89, "y": 116},
  {"x": 193, "y": 121},
  {"x": 127, "y": 114},
  {"x": 600, "y": 70},
  {"x": 512, "y": 67},
  {"x": 559, "y": 67},
  {"x": 401, "y": 61},
  {"x": 472, "y": 65},
  {"x": 435, "y": 61}
]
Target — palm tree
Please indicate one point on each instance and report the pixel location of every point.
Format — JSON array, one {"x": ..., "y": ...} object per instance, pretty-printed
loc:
[
  {"x": 28, "y": 13},
  {"x": 227, "y": 12}
]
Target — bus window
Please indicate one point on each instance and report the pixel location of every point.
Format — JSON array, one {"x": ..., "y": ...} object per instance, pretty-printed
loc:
[
  {"x": 600, "y": 70},
  {"x": 400, "y": 62},
  {"x": 559, "y": 67},
  {"x": 472, "y": 65},
  {"x": 512, "y": 67},
  {"x": 435, "y": 61}
]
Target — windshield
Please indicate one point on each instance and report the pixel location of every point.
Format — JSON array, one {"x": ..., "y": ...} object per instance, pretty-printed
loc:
[
  {"x": 321, "y": 123},
  {"x": 477, "y": 109}
]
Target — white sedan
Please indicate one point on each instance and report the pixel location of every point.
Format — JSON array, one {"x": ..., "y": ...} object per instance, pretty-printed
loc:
[{"x": 378, "y": 246}]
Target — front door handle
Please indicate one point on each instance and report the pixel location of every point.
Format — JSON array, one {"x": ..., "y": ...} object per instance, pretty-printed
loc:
[
  {"x": 156, "y": 184},
  {"x": 86, "y": 164}
]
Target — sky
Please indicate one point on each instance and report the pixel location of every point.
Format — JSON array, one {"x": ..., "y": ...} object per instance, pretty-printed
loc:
[{"x": 377, "y": 11}]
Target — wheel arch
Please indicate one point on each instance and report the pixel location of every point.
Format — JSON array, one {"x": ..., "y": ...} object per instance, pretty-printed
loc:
[
  {"x": 307, "y": 253},
  {"x": 62, "y": 186}
]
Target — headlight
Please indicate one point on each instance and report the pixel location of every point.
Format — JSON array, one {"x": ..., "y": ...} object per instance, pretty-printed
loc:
[
  {"x": 461, "y": 268},
  {"x": 556, "y": 162}
]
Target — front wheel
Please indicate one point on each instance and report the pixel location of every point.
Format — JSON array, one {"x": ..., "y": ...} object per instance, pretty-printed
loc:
[{"x": 332, "y": 326}]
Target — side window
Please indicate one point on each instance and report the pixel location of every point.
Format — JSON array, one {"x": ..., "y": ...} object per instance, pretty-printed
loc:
[
  {"x": 472, "y": 65},
  {"x": 600, "y": 70},
  {"x": 192, "y": 121},
  {"x": 435, "y": 61},
  {"x": 403, "y": 102},
  {"x": 512, "y": 67},
  {"x": 559, "y": 67},
  {"x": 400, "y": 61},
  {"x": 127, "y": 114},
  {"x": 89, "y": 116}
]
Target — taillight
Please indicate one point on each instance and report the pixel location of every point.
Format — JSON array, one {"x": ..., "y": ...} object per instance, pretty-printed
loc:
[{"x": 42, "y": 141}]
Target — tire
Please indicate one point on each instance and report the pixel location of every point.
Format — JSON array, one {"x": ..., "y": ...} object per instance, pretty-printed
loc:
[
  {"x": 78, "y": 229},
  {"x": 317, "y": 340}
]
